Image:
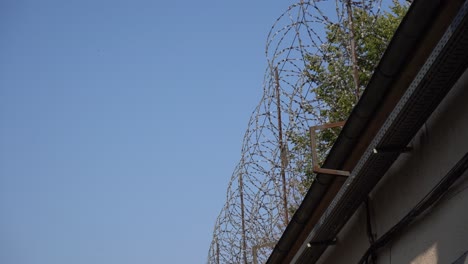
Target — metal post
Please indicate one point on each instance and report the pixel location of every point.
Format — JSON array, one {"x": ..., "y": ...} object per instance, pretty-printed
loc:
[
  {"x": 282, "y": 148},
  {"x": 353, "y": 48},
  {"x": 217, "y": 250},
  {"x": 244, "y": 243}
]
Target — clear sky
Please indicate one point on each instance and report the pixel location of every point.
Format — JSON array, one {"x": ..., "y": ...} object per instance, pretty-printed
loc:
[{"x": 121, "y": 123}]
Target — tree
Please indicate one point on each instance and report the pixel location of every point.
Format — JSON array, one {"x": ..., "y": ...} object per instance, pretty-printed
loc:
[{"x": 340, "y": 71}]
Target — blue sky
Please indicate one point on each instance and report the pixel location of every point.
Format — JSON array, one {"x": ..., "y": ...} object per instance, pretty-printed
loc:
[{"x": 121, "y": 123}]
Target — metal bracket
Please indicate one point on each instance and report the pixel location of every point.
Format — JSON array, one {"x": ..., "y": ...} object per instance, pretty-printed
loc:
[
  {"x": 391, "y": 149},
  {"x": 330, "y": 242},
  {"x": 339, "y": 173},
  {"x": 313, "y": 142}
]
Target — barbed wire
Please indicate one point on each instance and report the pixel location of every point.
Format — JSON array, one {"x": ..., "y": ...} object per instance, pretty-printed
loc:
[{"x": 267, "y": 185}]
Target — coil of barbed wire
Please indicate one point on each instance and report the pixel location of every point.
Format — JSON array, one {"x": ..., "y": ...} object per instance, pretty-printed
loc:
[{"x": 267, "y": 184}]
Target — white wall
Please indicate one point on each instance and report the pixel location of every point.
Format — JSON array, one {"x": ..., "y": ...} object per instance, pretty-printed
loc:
[{"x": 441, "y": 236}]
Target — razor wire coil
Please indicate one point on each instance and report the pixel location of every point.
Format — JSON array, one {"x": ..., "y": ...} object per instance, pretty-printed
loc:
[{"x": 252, "y": 219}]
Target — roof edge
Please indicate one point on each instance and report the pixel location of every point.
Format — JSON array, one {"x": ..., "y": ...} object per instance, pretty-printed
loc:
[{"x": 400, "y": 52}]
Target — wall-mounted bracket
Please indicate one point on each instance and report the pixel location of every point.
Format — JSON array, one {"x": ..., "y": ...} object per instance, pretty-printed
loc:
[
  {"x": 339, "y": 173},
  {"x": 313, "y": 141},
  {"x": 391, "y": 149},
  {"x": 330, "y": 242}
]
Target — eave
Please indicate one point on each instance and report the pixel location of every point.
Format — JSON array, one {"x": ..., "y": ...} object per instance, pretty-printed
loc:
[{"x": 418, "y": 34}]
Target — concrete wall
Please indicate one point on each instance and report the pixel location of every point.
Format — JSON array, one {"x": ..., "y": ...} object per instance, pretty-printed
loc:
[{"x": 441, "y": 236}]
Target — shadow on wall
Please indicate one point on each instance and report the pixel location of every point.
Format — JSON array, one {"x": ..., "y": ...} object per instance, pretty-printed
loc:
[
  {"x": 463, "y": 259},
  {"x": 440, "y": 237},
  {"x": 441, "y": 234}
]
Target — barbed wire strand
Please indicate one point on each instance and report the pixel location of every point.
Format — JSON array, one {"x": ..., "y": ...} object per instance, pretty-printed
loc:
[{"x": 253, "y": 217}]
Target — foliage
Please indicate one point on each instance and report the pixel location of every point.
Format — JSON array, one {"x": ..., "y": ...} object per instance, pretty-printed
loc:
[{"x": 330, "y": 72}]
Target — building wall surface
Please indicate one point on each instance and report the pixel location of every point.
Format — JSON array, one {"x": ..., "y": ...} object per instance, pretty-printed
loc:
[{"x": 440, "y": 235}]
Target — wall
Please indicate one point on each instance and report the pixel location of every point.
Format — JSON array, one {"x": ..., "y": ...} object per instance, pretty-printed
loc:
[{"x": 441, "y": 236}]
